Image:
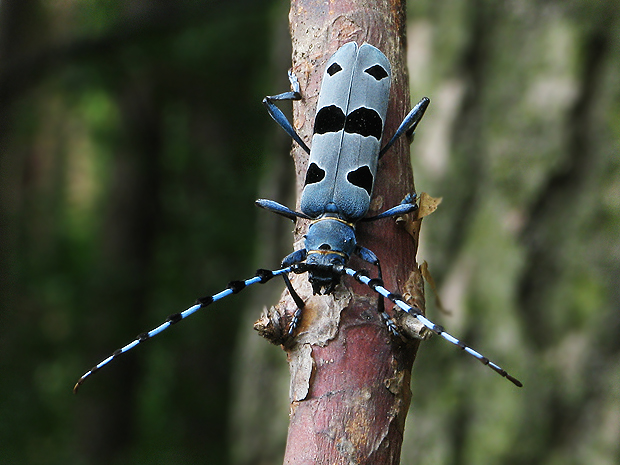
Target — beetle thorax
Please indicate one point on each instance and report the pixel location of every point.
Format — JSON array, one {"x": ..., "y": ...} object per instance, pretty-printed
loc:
[{"x": 329, "y": 241}]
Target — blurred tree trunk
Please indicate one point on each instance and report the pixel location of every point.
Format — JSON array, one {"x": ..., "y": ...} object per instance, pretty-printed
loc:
[
  {"x": 131, "y": 227},
  {"x": 123, "y": 182},
  {"x": 521, "y": 142}
]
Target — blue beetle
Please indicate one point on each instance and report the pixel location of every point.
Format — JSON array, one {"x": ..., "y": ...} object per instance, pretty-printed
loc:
[{"x": 341, "y": 172}]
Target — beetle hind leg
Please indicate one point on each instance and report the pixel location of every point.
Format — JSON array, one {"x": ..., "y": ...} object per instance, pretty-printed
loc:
[{"x": 408, "y": 125}]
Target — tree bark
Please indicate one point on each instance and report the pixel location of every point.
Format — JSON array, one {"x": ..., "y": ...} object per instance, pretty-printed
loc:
[{"x": 350, "y": 381}]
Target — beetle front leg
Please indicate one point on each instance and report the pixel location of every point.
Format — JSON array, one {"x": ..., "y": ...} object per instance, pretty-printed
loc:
[
  {"x": 277, "y": 114},
  {"x": 370, "y": 257},
  {"x": 295, "y": 257}
]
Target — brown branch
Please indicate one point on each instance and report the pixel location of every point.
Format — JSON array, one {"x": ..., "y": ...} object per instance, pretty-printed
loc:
[{"x": 350, "y": 381}]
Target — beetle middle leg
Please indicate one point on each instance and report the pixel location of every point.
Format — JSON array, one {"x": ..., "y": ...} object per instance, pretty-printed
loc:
[{"x": 407, "y": 205}]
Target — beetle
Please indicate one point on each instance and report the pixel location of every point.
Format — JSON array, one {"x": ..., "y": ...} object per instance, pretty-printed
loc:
[
  {"x": 338, "y": 186},
  {"x": 342, "y": 167}
]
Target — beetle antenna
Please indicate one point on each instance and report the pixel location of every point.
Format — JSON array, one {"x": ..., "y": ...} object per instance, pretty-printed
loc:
[
  {"x": 262, "y": 276},
  {"x": 377, "y": 286}
]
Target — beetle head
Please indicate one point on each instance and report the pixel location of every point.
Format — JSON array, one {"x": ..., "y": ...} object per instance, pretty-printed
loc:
[{"x": 330, "y": 241}]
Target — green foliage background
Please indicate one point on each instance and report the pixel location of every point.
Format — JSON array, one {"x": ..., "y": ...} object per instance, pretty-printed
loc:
[
  {"x": 132, "y": 146},
  {"x": 133, "y": 141}
]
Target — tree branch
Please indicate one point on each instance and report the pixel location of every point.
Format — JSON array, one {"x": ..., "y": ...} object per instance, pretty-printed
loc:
[{"x": 350, "y": 381}]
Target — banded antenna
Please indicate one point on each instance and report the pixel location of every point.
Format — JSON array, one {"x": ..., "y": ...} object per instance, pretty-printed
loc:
[
  {"x": 377, "y": 285},
  {"x": 262, "y": 276}
]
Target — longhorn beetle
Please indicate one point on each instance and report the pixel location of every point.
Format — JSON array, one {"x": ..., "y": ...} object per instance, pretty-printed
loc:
[{"x": 346, "y": 147}]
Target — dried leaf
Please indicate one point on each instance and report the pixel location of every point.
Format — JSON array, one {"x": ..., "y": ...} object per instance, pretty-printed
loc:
[{"x": 428, "y": 205}]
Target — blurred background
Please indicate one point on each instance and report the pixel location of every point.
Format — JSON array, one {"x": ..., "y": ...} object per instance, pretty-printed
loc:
[{"x": 132, "y": 146}]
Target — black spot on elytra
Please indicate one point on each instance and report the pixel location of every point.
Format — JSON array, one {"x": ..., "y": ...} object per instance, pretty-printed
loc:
[
  {"x": 362, "y": 177},
  {"x": 314, "y": 174},
  {"x": 377, "y": 71},
  {"x": 365, "y": 122},
  {"x": 329, "y": 119},
  {"x": 333, "y": 69}
]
